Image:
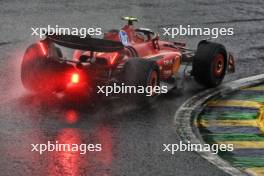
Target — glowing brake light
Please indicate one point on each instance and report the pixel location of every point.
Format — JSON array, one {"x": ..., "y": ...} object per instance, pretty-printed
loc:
[
  {"x": 42, "y": 47},
  {"x": 75, "y": 78}
]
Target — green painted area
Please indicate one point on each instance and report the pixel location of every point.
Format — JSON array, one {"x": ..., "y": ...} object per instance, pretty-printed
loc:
[
  {"x": 229, "y": 116},
  {"x": 243, "y": 135},
  {"x": 233, "y": 137},
  {"x": 245, "y": 162}
]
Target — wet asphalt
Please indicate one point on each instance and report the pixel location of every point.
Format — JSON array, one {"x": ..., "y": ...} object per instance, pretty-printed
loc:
[{"x": 131, "y": 136}]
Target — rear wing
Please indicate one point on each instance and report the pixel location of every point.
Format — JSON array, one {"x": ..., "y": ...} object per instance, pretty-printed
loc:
[{"x": 88, "y": 43}]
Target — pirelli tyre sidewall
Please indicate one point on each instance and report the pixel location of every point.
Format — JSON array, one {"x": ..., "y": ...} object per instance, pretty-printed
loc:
[{"x": 210, "y": 64}]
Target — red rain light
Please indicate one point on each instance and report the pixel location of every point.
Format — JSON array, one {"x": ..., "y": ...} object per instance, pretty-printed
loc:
[
  {"x": 42, "y": 47},
  {"x": 75, "y": 78}
]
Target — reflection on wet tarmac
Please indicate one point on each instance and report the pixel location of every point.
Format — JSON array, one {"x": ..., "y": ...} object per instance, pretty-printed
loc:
[
  {"x": 65, "y": 125},
  {"x": 71, "y": 116},
  {"x": 73, "y": 163}
]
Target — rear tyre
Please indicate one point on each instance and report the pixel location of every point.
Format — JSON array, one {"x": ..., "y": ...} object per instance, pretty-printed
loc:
[
  {"x": 39, "y": 73},
  {"x": 210, "y": 64},
  {"x": 143, "y": 74}
]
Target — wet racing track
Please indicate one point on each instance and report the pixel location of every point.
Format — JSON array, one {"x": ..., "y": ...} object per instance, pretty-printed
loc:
[{"x": 131, "y": 136}]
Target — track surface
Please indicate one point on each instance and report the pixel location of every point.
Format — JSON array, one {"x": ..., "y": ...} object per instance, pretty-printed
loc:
[
  {"x": 132, "y": 137},
  {"x": 237, "y": 119}
]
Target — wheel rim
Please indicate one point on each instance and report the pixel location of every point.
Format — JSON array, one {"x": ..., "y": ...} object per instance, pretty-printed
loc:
[
  {"x": 153, "y": 81},
  {"x": 219, "y": 64}
]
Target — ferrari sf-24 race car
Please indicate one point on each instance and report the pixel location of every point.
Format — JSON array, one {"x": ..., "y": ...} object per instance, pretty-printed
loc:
[{"x": 131, "y": 56}]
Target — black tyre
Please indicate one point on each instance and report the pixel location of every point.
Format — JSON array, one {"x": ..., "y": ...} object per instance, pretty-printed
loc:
[
  {"x": 40, "y": 73},
  {"x": 210, "y": 64},
  {"x": 142, "y": 73}
]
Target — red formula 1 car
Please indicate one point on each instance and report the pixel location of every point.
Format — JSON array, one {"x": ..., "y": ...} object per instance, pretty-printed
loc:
[{"x": 131, "y": 56}]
